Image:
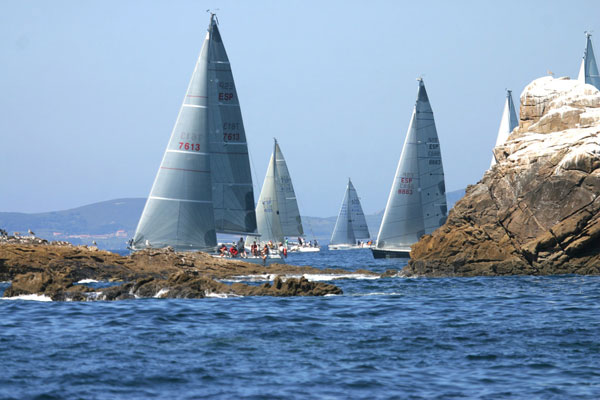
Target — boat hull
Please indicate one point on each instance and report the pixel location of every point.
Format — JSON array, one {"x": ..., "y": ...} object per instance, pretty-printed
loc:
[
  {"x": 346, "y": 247},
  {"x": 379, "y": 253}
]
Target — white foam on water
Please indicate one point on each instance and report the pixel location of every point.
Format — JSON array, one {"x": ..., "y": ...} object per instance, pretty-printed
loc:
[
  {"x": 250, "y": 278},
  {"x": 30, "y": 297},
  {"x": 332, "y": 277},
  {"x": 331, "y": 295},
  {"x": 310, "y": 277},
  {"x": 88, "y": 281},
  {"x": 220, "y": 295},
  {"x": 377, "y": 294},
  {"x": 160, "y": 293}
]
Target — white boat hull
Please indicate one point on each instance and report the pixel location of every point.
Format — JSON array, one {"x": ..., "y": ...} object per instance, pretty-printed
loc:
[
  {"x": 347, "y": 247},
  {"x": 297, "y": 249}
]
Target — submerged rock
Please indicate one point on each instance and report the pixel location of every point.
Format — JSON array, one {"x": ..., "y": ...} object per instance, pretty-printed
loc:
[{"x": 537, "y": 210}]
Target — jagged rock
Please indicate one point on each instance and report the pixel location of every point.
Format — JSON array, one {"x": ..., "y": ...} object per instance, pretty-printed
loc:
[
  {"x": 52, "y": 270},
  {"x": 537, "y": 211}
]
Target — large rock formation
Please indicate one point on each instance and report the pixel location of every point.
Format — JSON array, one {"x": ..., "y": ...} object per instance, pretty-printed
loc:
[{"x": 537, "y": 211}]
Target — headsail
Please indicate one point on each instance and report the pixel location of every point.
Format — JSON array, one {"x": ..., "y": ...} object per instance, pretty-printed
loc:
[
  {"x": 179, "y": 211},
  {"x": 417, "y": 202},
  {"x": 232, "y": 192},
  {"x": 277, "y": 210},
  {"x": 351, "y": 223},
  {"x": 588, "y": 72},
  {"x": 508, "y": 122}
]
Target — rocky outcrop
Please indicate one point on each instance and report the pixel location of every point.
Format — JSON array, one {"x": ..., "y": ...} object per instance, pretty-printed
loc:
[
  {"x": 180, "y": 285},
  {"x": 53, "y": 270},
  {"x": 537, "y": 211}
]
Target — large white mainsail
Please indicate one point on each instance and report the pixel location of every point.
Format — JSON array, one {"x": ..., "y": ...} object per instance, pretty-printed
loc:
[
  {"x": 277, "y": 212},
  {"x": 203, "y": 184},
  {"x": 508, "y": 122},
  {"x": 417, "y": 201},
  {"x": 351, "y": 224},
  {"x": 588, "y": 72}
]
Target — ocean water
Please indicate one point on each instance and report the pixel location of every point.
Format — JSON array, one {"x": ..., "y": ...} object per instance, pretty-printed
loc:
[{"x": 513, "y": 337}]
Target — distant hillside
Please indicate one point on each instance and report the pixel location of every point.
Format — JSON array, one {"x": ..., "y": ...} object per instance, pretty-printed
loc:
[{"x": 111, "y": 223}]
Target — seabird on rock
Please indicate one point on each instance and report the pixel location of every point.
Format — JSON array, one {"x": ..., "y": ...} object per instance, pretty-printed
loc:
[{"x": 30, "y": 232}]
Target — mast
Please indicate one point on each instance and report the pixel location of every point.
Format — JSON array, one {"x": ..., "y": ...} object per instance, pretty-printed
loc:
[{"x": 508, "y": 123}]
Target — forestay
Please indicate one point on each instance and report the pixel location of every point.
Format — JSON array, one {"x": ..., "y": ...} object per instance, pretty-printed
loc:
[{"x": 417, "y": 201}]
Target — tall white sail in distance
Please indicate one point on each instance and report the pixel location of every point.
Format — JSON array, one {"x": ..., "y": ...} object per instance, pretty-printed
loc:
[
  {"x": 351, "y": 223},
  {"x": 417, "y": 200},
  {"x": 588, "y": 72},
  {"x": 277, "y": 213},
  {"x": 508, "y": 122},
  {"x": 180, "y": 211}
]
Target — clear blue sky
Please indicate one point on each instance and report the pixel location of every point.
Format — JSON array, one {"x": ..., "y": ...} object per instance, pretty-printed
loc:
[{"x": 89, "y": 90}]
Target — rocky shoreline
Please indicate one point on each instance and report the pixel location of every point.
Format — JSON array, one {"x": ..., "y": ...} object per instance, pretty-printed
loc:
[
  {"x": 54, "y": 270},
  {"x": 537, "y": 211}
]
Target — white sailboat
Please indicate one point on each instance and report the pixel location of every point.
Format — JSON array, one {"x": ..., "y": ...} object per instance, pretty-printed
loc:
[
  {"x": 277, "y": 212},
  {"x": 417, "y": 201},
  {"x": 351, "y": 225},
  {"x": 508, "y": 122},
  {"x": 588, "y": 72},
  {"x": 204, "y": 183}
]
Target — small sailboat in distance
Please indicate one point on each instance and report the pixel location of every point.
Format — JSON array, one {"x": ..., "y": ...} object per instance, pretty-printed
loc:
[
  {"x": 588, "y": 72},
  {"x": 351, "y": 224},
  {"x": 417, "y": 201},
  {"x": 277, "y": 212},
  {"x": 204, "y": 184},
  {"x": 508, "y": 122}
]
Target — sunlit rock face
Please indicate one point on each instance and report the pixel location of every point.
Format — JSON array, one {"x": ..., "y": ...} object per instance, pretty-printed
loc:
[{"x": 537, "y": 211}]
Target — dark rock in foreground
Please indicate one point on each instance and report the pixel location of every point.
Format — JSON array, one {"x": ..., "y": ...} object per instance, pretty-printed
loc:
[
  {"x": 53, "y": 270},
  {"x": 537, "y": 211}
]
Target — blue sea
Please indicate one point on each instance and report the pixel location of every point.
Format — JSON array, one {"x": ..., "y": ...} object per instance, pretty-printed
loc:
[{"x": 489, "y": 338}]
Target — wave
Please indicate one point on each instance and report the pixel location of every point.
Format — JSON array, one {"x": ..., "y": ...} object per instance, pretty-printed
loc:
[
  {"x": 159, "y": 294},
  {"x": 220, "y": 295},
  {"x": 88, "y": 281},
  {"x": 310, "y": 277},
  {"x": 30, "y": 297}
]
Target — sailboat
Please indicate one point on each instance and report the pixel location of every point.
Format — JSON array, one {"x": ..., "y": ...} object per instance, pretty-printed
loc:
[
  {"x": 417, "y": 201},
  {"x": 588, "y": 72},
  {"x": 351, "y": 224},
  {"x": 204, "y": 184},
  {"x": 508, "y": 122},
  {"x": 277, "y": 212}
]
